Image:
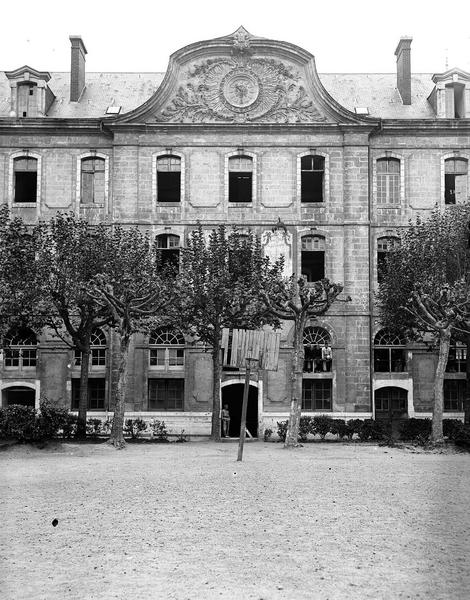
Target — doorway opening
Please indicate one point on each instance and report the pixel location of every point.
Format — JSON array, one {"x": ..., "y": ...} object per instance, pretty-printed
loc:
[
  {"x": 232, "y": 395},
  {"x": 391, "y": 405}
]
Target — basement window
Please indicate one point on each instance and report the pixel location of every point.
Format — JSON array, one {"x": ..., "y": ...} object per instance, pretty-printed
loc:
[
  {"x": 25, "y": 179},
  {"x": 240, "y": 179},
  {"x": 313, "y": 257},
  {"x": 312, "y": 174},
  {"x": 456, "y": 180},
  {"x": 168, "y": 178}
]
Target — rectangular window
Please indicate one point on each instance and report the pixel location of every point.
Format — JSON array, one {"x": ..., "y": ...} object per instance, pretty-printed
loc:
[
  {"x": 388, "y": 181},
  {"x": 313, "y": 258},
  {"x": 454, "y": 394},
  {"x": 92, "y": 181},
  {"x": 26, "y": 179},
  {"x": 169, "y": 179},
  {"x": 455, "y": 180},
  {"x": 23, "y": 357},
  {"x": 166, "y": 394},
  {"x": 316, "y": 394},
  {"x": 312, "y": 171},
  {"x": 96, "y": 394},
  {"x": 97, "y": 358},
  {"x": 240, "y": 179}
]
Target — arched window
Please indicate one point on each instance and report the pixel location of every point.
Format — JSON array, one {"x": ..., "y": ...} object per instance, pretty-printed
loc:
[
  {"x": 389, "y": 352},
  {"x": 313, "y": 257},
  {"x": 97, "y": 350},
  {"x": 384, "y": 245},
  {"x": 240, "y": 178},
  {"x": 456, "y": 180},
  {"x": 168, "y": 178},
  {"x": 25, "y": 182},
  {"x": 388, "y": 181},
  {"x": 20, "y": 349},
  {"x": 92, "y": 180},
  {"x": 391, "y": 402},
  {"x": 456, "y": 363},
  {"x": 316, "y": 341},
  {"x": 166, "y": 349},
  {"x": 169, "y": 247},
  {"x": 312, "y": 175}
]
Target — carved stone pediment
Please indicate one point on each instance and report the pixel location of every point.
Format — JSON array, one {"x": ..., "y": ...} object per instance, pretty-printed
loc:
[{"x": 240, "y": 79}]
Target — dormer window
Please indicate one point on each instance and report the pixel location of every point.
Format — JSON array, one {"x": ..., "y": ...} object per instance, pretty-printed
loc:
[
  {"x": 27, "y": 100},
  {"x": 449, "y": 97},
  {"x": 455, "y": 101},
  {"x": 30, "y": 94}
]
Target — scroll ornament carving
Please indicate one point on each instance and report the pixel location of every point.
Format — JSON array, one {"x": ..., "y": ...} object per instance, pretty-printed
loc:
[{"x": 241, "y": 90}]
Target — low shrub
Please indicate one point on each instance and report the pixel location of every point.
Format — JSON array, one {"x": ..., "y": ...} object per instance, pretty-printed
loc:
[
  {"x": 21, "y": 422},
  {"x": 106, "y": 426},
  {"x": 354, "y": 427},
  {"x": 452, "y": 428},
  {"x": 134, "y": 427},
  {"x": 374, "y": 430},
  {"x": 93, "y": 427},
  {"x": 415, "y": 429},
  {"x": 181, "y": 438},
  {"x": 3, "y": 423},
  {"x": 69, "y": 426},
  {"x": 267, "y": 434},
  {"x": 321, "y": 424},
  {"x": 51, "y": 419},
  {"x": 305, "y": 427},
  {"x": 160, "y": 432},
  {"x": 282, "y": 430},
  {"x": 339, "y": 428}
]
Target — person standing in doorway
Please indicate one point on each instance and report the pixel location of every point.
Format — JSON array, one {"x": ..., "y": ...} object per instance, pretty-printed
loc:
[
  {"x": 326, "y": 356},
  {"x": 225, "y": 421}
]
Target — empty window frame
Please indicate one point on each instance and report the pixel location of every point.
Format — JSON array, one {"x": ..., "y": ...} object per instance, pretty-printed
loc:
[
  {"x": 312, "y": 177},
  {"x": 456, "y": 180},
  {"x": 27, "y": 100},
  {"x": 166, "y": 350},
  {"x": 454, "y": 394},
  {"x": 165, "y": 394},
  {"x": 96, "y": 394},
  {"x": 97, "y": 350},
  {"x": 25, "y": 173},
  {"x": 388, "y": 181},
  {"x": 384, "y": 246},
  {"x": 92, "y": 180},
  {"x": 313, "y": 257},
  {"x": 168, "y": 178},
  {"x": 169, "y": 248},
  {"x": 457, "y": 360},
  {"x": 390, "y": 401},
  {"x": 240, "y": 179},
  {"x": 20, "y": 349},
  {"x": 317, "y": 394},
  {"x": 455, "y": 100},
  {"x": 389, "y": 352}
]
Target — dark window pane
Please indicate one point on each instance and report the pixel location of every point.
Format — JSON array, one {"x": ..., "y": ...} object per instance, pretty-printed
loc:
[
  {"x": 313, "y": 265},
  {"x": 25, "y": 186},
  {"x": 96, "y": 394},
  {"x": 449, "y": 195},
  {"x": 316, "y": 394},
  {"x": 382, "y": 360},
  {"x": 240, "y": 186},
  {"x": 168, "y": 186},
  {"x": 166, "y": 394}
]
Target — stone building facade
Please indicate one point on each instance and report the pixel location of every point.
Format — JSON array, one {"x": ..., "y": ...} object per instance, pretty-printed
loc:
[{"x": 326, "y": 168}]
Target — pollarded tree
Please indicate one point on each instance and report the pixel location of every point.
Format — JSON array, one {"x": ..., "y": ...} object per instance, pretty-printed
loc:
[
  {"x": 298, "y": 303},
  {"x": 69, "y": 254},
  {"x": 425, "y": 288},
  {"x": 20, "y": 296},
  {"x": 225, "y": 278},
  {"x": 139, "y": 294}
]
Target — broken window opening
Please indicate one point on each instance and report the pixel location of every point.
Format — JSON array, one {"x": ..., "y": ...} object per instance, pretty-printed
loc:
[
  {"x": 313, "y": 258},
  {"x": 240, "y": 179},
  {"x": 169, "y": 178},
  {"x": 25, "y": 179},
  {"x": 312, "y": 174}
]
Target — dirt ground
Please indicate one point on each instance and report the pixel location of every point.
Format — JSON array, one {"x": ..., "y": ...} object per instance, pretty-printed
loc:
[{"x": 186, "y": 521}]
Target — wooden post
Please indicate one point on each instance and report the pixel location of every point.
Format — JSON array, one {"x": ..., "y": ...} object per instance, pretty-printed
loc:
[{"x": 244, "y": 408}]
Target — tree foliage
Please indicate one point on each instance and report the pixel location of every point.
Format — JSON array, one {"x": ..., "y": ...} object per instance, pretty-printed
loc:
[
  {"x": 425, "y": 287},
  {"x": 69, "y": 253},
  {"x": 299, "y": 302},
  {"x": 138, "y": 294},
  {"x": 225, "y": 278}
]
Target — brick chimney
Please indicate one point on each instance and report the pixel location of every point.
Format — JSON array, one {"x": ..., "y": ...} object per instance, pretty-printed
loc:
[
  {"x": 403, "y": 54},
  {"x": 77, "y": 67}
]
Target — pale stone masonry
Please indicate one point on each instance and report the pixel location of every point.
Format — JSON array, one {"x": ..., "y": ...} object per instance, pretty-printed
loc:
[{"x": 384, "y": 147}]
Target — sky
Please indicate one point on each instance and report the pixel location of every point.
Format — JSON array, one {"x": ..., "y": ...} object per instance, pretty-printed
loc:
[{"x": 344, "y": 36}]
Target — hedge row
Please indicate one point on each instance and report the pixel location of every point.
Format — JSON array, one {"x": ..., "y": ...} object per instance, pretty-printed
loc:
[{"x": 371, "y": 430}]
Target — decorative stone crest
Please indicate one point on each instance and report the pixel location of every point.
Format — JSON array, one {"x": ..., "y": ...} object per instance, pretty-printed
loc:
[{"x": 241, "y": 89}]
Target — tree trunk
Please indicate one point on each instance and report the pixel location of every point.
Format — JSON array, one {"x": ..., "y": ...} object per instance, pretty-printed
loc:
[
  {"x": 292, "y": 435},
  {"x": 444, "y": 343},
  {"x": 83, "y": 400},
  {"x": 216, "y": 371},
  {"x": 466, "y": 402},
  {"x": 117, "y": 434}
]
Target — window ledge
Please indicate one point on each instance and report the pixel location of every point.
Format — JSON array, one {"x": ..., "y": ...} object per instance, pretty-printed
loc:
[
  {"x": 322, "y": 375},
  {"x": 240, "y": 204},
  {"x": 24, "y": 204},
  {"x": 163, "y": 204},
  {"x": 91, "y": 205},
  {"x": 388, "y": 205},
  {"x": 313, "y": 203}
]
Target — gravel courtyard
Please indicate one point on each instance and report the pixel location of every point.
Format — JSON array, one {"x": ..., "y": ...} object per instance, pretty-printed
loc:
[{"x": 186, "y": 521}]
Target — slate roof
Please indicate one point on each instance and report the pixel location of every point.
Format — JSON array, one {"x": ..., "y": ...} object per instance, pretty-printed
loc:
[{"x": 376, "y": 91}]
